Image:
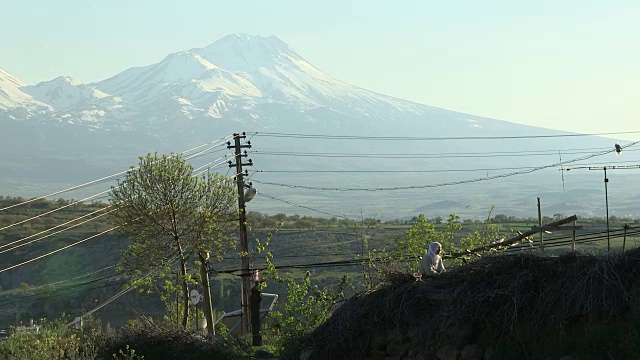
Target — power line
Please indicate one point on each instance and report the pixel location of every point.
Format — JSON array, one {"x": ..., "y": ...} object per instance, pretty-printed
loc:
[
  {"x": 21, "y": 298},
  {"x": 55, "y": 227},
  {"x": 121, "y": 293},
  {"x": 48, "y": 235},
  {"x": 54, "y": 210},
  {"x": 221, "y": 141},
  {"x": 443, "y": 155},
  {"x": 75, "y": 203},
  {"x": 58, "y": 250},
  {"x": 419, "y": 138},
  {"x": 7, "y": 292},
  {"x": 305, "y": 207},
  {"x": 614, "y": 167},
  {"x": 459, "y": 182},
  {"x": 68, "y": 292},
  {"x": 63, "y": 248},
  {"x": 425, "y": 171}
]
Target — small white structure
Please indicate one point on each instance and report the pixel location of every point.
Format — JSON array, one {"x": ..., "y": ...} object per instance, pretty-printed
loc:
[
  {"x": 32, "y": 327},
  {"x": 233, "y": 319}
]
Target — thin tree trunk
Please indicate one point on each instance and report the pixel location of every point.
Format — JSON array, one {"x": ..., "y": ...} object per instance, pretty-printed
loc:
[
  {"x": 185, "y": 287},
  {"x": 208, "y": 308}
]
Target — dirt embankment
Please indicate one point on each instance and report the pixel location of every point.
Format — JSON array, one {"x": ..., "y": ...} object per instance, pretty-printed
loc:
[{"x": 497, "y": 307}]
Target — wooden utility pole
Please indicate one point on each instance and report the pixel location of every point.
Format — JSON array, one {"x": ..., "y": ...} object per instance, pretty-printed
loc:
[
  {"x": 208, "y": 308},
  {"x": 244, "y": 246},
  {"x": 618, "y": 149},
  {"x": 606, "y": 201},
  {"x": 573, "y": 239},
  {"x": 540, "y": 226}
]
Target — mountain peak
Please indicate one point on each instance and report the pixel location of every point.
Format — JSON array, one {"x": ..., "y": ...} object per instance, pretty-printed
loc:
[
  {"x": 12, "y": 96},
  {"x": 8, "y": 78},
  {"x": 242, "y": 52},
  {"x": 238, "y": 39},
  {"x": 60, "y": 80}
]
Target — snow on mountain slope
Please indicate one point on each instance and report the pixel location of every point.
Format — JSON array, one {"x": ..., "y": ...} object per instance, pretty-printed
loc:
[
  {"x": 12, "y": 99},
  {"x": 186, "y": 70},
  {"x": 244, "y": 77},
  {"x": 183, "y": 85},
  {"x": 283, "y": 75},
  {"x": 240, "y": 81},
  {"x": 65, "y": 92}
]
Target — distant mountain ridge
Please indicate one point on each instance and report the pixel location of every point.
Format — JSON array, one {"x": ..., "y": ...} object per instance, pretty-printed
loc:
[
  {"x": 238, "y": 72},
  {"x": 258, "y": 84}
]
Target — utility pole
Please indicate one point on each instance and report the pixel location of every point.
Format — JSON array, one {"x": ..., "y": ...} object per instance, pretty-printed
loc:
[
  {"x": 573, "y": 239},
  {"x": 606, "y": 200},
  {"x": 618, "y": 150},
  {"x": 540, "y": 226},
  {"x": 244, "y": 246}
]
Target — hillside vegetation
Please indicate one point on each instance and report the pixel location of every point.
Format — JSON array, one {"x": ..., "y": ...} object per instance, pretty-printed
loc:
[{"x": 314, "y": 254}]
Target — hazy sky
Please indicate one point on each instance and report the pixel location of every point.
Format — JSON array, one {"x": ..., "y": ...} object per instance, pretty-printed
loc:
[{"x": 564, "y": 64}]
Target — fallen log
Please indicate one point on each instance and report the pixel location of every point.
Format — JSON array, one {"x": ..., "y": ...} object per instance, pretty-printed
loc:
[{"x": 512, "y": 240}]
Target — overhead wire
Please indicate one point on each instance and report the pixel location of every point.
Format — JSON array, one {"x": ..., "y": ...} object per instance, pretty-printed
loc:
[
  {"x": 64, "y": 293},
  {"x": 80, "y": 201},
  {"x": 54, "y": 210},
  {"x": 422, "y": 138},
  {"x": 425, "y": 155},
  {"x": 54, "y": 233},
  {"x": 63, "y": 248},
  {"x": 58, "y": 250},
  {"x": 359, "y": 261},
  {"x": 423, "y": 171},
  {"x": 337, "y": 263},
  {"x": 7, "y": 292},
  {"x": 121, "y": 293},
  {"x": 221, "y": 141},
  {"x": 303, "y": 206},
  {"x": 54, "y": 227},
  {"x": 459, "y": 182}
]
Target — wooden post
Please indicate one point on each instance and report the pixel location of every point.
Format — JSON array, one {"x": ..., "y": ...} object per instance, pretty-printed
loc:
[
  {"x": 573, "y": 240},
  {"x": 606, "y": 199},
  {"x": 244, "y": 246},
  {"x": 541, "y": 231},
  {"x": 177, "y": 299},
  {"x": 513, "y": 240},
  {"x": 624, "y": 239}
]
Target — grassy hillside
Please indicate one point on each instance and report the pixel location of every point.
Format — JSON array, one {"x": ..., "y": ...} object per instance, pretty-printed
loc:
[{"x": 84, "y": 275}]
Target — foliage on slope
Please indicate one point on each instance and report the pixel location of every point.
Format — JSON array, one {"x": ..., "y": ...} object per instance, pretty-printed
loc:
[{"x": 518, "y": 297}]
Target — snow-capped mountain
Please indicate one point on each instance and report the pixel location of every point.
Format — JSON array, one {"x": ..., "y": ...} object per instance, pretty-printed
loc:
[
  {"x": 283, "y": 75},
  {"x": 253, "y": 81},
  {"x": 65, "y": 92},
  {"x": 14, "y": 103},
  {"x": 260, "y": 84}
]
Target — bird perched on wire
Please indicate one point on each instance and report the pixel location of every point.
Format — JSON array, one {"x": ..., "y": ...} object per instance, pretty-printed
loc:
[{"x": 618, "y": 149}]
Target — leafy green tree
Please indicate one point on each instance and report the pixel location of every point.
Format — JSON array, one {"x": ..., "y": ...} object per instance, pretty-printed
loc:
[
  {"x": 416, "y": 240},
  {"x": 307, "y": 305},
  {"x": 170, "y": 214},
  {"x": 488, "y": 233}
]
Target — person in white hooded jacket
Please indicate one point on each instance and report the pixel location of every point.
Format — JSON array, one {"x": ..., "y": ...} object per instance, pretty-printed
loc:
[{"x": 431, "y": 262}]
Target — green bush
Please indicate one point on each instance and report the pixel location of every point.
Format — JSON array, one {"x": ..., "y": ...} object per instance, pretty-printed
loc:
[
  {"x": 157, "y": 343},
  {"x": 53, "y": 341},
  {"x": 306, "y": 307}
]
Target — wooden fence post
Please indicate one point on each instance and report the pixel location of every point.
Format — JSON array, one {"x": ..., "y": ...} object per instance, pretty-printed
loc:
[{"x": 573, "y": 240}]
